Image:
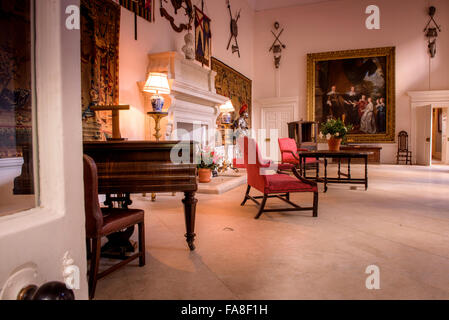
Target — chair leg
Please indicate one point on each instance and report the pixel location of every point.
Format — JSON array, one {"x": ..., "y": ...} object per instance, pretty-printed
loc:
[
  {"x": 88, "y": 248},
  {"x": 94, "y": 264},
  {"x": 262, "y": 206},
  {"x": 315, "y": 204},
  {"x": 142, "y": 244},
  {"x": 287, "y": 196},
  {"x": 246, "y": 196}
]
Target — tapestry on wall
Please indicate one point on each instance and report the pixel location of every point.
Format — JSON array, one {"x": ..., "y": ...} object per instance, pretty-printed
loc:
[
  {"x": 356, "y": 86},
  {"x": 203, "y": 37},
  {"x": 143, "y": 8},
  {"x": 234, "y": 85},
  {"x": 100, "y": 34},
  {"x": 15, "y": 78}
]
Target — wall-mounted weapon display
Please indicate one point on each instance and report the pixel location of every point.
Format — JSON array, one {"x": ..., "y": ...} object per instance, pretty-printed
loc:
[
  {"x": 277, "y": 45},
  {"x": 234, "y": 30},
  {"x": 432, "y": 33}
]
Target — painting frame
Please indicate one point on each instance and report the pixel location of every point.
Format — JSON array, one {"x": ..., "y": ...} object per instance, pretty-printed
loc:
[
  {"x": 238, "y": 87},
  {"x": 390, "y": 88}
]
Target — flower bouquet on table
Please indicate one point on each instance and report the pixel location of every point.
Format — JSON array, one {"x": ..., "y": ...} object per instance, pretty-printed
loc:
[
  {"x": 335, "y": 132},
  {"x": 208, "y": 162}
]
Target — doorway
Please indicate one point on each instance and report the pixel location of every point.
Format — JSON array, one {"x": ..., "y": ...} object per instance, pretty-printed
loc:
[
  {"x": 275, "y": 120},
  {"x": 437, "y": 136}
]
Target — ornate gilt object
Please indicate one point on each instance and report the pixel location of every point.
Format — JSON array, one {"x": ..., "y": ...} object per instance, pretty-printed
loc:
[{"x": 356, "y": 86}]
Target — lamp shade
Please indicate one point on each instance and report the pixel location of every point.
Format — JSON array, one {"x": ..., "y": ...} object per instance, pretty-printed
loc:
[
  {"x": 157, "y": 83},
  {"x": 227, "y": 107}
]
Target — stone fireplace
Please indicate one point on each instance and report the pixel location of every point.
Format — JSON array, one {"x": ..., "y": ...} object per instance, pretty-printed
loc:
[{"x": 193, "y": 104}]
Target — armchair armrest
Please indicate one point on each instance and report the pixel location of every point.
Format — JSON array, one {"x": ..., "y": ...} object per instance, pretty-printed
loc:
[{"x": 304, "y": 180}]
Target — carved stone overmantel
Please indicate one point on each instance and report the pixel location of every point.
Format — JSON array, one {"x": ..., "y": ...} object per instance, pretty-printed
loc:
[{"x": 193, "y": 98}]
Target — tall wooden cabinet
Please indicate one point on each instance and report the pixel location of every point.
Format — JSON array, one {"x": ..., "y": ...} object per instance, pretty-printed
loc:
[{"x": 305, "y": 134}]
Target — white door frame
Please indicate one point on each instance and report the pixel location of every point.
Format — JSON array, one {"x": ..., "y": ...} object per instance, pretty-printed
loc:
[
  {"x": 42, "y": 236},
  {"x": 291, "y": 102},
  {"x": 433, "y": 98},
  {"x": 273, "y": 104}
]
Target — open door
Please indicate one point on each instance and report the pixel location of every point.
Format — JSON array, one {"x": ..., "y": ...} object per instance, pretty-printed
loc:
[
  {"x": 47, "y": 243},
  {"x": 424, "y": 135}
]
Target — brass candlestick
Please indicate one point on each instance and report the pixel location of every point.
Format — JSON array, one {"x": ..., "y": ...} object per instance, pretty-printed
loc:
[{"x": 157, "y": 116}]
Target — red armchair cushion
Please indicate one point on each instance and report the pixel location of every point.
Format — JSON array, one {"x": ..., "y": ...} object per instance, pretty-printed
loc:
[
  {"x": 288, "y": 146},
  {"x": 279, "y": 183}
]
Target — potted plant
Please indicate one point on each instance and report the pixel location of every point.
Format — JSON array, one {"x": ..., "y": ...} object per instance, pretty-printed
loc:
[
  {"x": 208, "y": 162},
  {"x": 335, "y": 132}
]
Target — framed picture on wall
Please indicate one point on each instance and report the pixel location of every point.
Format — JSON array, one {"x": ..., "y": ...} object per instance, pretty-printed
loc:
[{"x": 356, "y": 86}]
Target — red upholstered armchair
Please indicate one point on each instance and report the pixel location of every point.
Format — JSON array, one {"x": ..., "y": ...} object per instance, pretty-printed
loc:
[
  {"x": 275, "y": 185},
  {"x": 289, "y": 154}
]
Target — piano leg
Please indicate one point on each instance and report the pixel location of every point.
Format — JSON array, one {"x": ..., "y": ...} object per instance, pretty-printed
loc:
[{"x": 189, "y": 212}]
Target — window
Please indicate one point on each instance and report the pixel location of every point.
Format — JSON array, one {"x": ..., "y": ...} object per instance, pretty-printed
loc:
[{"x": 17, "y": 188}]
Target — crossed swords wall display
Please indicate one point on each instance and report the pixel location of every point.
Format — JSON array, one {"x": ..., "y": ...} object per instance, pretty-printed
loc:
[
  {"x": 234, "y": 30},
  {"x": 277, "y": 46}
]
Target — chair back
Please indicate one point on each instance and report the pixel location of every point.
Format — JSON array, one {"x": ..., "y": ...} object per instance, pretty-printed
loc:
[
  {"x": 253, "y": 162},
  {"x": 94, "y": 216},
  {"x": 287, "y": 146},
  {"x": 402, "y": 141}
]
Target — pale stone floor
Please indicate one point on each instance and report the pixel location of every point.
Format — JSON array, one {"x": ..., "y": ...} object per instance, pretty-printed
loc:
[{"x": 401, "y": 224}]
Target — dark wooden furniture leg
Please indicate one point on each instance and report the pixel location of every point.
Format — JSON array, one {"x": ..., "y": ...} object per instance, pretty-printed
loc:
[
  {"x": 88, "y": 248},
  {"x": 141, "y": 244},
  {"x": 317, "y": 169},
  {"x": 325, "y": 174},
  {"x": 246, "y": 196},
  {"x": 189, "y": 212},
  {"x": 349, "y": 168},
  {"x": 366, "y": 172},
  {"x": 262, "y": 206},
  {"x": 94, "y": 264},
  {"x": 315, "y": 204},
  {"x": 339, "y": 168}
]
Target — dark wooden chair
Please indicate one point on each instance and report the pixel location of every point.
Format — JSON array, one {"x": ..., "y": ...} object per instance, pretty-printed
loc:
[
  {"x": 101, "y": 222},
  {"x": 403, "y": 153},
  {"x": 273, "y": 185}
]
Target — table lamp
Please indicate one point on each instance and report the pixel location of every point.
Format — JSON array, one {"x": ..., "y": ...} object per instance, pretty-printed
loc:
[
  {"x": 226, "y": 110},
  {"x": 157, "y": 83}
]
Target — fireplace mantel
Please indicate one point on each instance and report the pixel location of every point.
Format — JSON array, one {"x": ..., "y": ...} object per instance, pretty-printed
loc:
[{"x": 193, "y": 98}]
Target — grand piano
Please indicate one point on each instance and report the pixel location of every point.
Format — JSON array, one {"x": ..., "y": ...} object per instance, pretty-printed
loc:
[{"x": 127, "y": 167}]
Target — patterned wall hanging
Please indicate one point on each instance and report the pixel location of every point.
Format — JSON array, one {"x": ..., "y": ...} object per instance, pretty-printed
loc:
[
  {"x": 100, "y": 34},
  {"x": 142, "y": 8},
  {"x": 203, "y": 37},
  {"x": 15, "y": 78},
  {"x": 234, "y": 85}
]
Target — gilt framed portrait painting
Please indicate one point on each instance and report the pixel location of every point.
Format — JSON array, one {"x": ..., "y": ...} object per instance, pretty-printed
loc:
[{"x": 357, "y": 87}]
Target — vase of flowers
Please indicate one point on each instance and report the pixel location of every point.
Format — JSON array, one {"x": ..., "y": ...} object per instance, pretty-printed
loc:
[
  {"x": 335, "y": 131},
  {"x": 208, "y": 162}
]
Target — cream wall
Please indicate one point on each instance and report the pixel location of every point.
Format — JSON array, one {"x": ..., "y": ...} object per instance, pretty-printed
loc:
[
  {"x": 160, "y": 37},
  {"x": 340, "y": 25}
]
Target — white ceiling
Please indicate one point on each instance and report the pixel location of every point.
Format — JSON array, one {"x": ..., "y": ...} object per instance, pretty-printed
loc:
[{"x": 260, "y": 5}]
